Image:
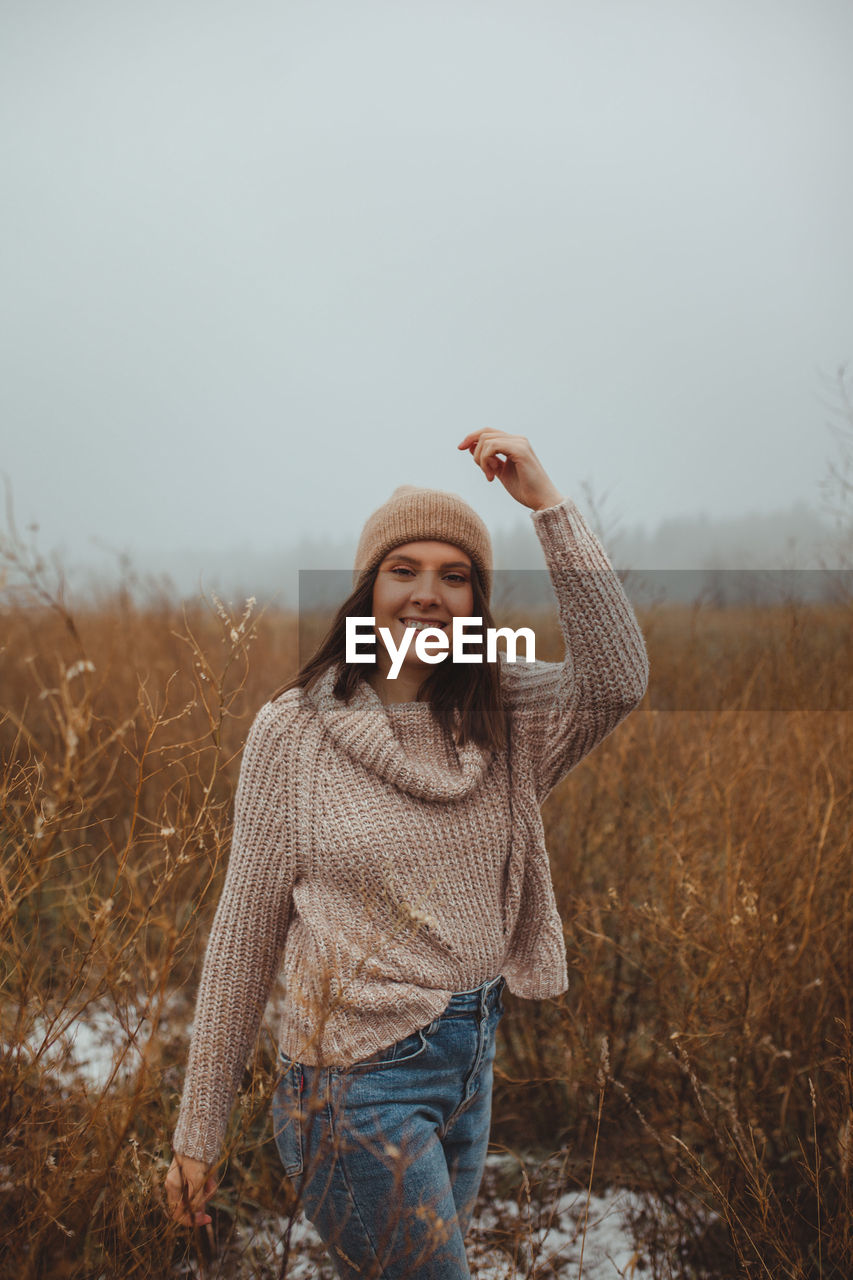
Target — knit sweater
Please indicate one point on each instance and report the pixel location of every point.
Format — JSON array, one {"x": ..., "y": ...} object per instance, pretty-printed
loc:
[{"x": 378, "y": 868}]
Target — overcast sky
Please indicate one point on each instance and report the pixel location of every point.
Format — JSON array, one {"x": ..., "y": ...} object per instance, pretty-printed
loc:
[{"x": 262, "y": 262}]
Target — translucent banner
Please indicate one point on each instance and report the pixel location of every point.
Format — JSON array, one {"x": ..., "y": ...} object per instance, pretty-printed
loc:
[{"x": 718, "y": 639}]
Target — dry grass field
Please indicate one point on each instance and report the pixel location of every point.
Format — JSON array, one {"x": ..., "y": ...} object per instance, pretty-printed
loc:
[{"x": 702, "y": 864}]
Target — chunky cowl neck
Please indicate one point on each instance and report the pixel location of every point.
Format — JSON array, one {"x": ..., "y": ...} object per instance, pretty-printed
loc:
[{"x": 363, "y": 728}]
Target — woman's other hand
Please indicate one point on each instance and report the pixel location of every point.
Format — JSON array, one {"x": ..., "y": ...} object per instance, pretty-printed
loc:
[
  {"x": 189, "y": 1186},
  {"x": 519, "y": 470}
]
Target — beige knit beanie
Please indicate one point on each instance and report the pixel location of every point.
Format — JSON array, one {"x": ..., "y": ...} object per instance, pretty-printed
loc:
[{"x": 412, "y": 514}]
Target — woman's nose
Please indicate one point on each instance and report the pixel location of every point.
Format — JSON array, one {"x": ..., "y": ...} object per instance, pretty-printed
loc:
[{"x": 425, "y": 592}]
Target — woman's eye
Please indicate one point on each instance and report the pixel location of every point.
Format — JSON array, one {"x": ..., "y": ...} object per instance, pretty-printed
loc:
[{"x": 457, "y": 579}]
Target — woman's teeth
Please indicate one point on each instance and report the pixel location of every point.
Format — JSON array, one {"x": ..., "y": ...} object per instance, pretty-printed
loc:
[{"x": 420, "y": 626}]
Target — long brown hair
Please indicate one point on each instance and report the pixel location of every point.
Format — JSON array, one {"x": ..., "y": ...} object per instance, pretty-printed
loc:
[{"x": 475, "y": 688}]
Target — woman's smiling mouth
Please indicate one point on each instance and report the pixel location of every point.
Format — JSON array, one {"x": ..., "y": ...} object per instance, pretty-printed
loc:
[{"x": 420, "y": 624}]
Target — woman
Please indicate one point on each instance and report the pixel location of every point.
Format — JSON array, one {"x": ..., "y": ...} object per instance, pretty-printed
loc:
[{"x": 388, "y": 855}]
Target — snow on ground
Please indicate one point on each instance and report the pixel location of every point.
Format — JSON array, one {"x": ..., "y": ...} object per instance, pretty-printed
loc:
[
  {"x": 552, "y": 1234},
  {"x": 91, "y": 1047},
  {"x": 556, "y": 1232}
]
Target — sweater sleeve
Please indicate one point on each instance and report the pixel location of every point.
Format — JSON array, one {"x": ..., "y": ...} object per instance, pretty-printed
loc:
[
  {"x": 245, "y": 946},
  {"x": 563, "y": 710}
]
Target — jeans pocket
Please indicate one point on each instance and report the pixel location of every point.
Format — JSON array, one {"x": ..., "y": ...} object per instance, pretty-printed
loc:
[
  {"x": 287, "y": 1119},
  {"x": 400, "y": 1051}
]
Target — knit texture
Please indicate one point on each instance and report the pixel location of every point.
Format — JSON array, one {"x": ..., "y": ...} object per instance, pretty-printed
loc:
[
  {"x": 412, "y": 514},
  {"x": 379, "y": 868}
]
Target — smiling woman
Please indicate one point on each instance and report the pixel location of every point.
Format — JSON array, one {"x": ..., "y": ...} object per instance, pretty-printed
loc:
[
  {"x": 427, "y": 582},
  {"x": 389, "y": 860},
  {"x": 399, "y": 579}
]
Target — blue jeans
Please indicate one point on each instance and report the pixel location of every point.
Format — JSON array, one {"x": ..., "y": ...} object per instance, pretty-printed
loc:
[{"x": 386, "y": 1156}]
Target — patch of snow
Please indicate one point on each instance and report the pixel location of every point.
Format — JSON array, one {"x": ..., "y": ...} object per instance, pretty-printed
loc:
[
  {"x": 96, "y": 1045},
  {"x": 554, "y": 1232},
  {"x": 549, "y": 1233},
  {"x": 609, "y": 1250}
]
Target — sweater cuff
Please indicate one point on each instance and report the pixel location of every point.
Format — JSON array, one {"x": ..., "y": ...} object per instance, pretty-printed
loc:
[
  {"x": 547, "y": 513},
  {"x": 563, "y": 530}
]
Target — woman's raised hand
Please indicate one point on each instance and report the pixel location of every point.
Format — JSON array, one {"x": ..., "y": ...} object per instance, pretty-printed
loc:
[
  {"x": 188, "y": 1189},
  {"x": 519, "y": 470}
]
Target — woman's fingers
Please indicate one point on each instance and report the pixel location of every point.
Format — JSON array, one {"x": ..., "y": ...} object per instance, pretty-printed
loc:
[
  {"x": 201, "y": 1217},
  {"x": 467, "y": 442},
  {"x": 189, "y": 1185},
  {"x": 486, "y": 445},
  {"x": 474, "y": 442},
  {"x": 486, "y": 463},
  {"x": 489, "y": 437},
  {"x": 511, "y": 457},
  {"x": 193, "y": 1218}
]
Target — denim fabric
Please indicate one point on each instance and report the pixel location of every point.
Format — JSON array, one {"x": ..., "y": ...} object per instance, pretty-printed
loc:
[{"x": 386, "y": 1156}]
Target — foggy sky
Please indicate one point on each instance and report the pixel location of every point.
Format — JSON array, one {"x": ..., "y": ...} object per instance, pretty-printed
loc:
[{"x": 264, "y": 262}]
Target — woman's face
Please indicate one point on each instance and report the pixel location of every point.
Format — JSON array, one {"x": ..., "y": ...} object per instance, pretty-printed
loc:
[{"x": 425, "y": 581}]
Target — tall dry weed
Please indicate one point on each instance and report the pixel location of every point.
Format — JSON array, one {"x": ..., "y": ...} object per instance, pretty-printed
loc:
[
  {"x": 702, "y": 866},
  {"x": 706, "y": 885}
]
